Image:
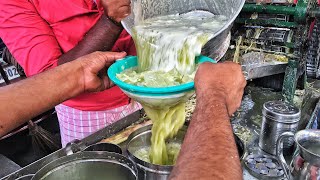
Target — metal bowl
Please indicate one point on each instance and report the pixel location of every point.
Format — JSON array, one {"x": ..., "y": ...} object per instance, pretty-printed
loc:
[
  {"x": 89, "y": 165},
  {"x": 147, "y": 171},
  {"x": 141, "y": 139},
  {"x": 145, "y": 9}
]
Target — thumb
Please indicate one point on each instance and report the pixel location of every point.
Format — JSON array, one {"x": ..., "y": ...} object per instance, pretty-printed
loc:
[
  {"x": 112, "y": 56},
  {"x": 99, "y": 60}
]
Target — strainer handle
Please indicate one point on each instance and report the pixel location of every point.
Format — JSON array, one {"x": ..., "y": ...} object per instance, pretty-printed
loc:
[
  {"x": 280, "y": 156},
  {"x": 203, "y": 59}
]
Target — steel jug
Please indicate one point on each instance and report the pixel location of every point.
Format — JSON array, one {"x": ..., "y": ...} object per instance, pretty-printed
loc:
[{"x": 306, "y": 164}]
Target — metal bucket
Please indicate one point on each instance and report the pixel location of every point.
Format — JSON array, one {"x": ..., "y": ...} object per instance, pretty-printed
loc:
[
  {"x": 308, "y": 143},
  {"x": 89, "y": 165},
  {"x": 141, "y": 139},
  {"x": 144, "y": 9}
]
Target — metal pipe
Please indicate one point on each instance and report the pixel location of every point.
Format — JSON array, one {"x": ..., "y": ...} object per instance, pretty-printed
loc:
[
  {"x": 267, "y": 22},
  {"x": 271, "y": 9},
  {"x": 299, "y": 11}
]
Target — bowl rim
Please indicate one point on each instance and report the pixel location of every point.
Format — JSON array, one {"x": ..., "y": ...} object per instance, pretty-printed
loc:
[
  {"x": 143, "y": 164},
  {"x": 112, "y": 72}
]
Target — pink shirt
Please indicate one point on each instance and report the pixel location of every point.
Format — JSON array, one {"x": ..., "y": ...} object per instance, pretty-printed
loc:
[{"x": 38, "y": 32}]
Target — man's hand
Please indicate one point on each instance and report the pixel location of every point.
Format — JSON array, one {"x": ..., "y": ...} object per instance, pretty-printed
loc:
[
  {"x": 117, "y": 10},
  {"x": 94, "y": 67},
  {"x": 223, "y": 80}
]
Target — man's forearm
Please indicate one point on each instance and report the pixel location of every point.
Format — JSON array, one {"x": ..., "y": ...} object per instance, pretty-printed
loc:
[
  {"x": 101, "y": 37},
  {"x": 209, "y": 150},
  {"x": 26, "y": 99}
]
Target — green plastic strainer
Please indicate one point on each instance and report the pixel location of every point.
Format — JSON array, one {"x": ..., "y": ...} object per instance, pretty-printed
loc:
[{"x": 153, "y": 97}]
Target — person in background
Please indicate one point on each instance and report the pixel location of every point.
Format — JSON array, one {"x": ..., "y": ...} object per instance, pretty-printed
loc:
[
  {"x": 219, "y": 89},
  {"x": 43, "y": 34}
]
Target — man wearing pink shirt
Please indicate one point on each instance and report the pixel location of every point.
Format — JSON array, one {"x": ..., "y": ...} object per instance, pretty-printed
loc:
[{"x": 43, "y": 34}]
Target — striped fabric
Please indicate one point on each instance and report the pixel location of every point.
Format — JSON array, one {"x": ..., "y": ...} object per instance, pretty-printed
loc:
[{"x": 77, "y": 124}]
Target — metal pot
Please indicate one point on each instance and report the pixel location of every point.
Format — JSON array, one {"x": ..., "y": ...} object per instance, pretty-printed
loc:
[
  {"x": 89, "y": 165},
  {"x": 141, "y": 139},
  {"x": 144, "y": 9},
  {"x": 147, "y": 171}
]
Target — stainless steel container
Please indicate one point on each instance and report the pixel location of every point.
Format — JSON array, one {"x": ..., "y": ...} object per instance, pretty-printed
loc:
[
  {"x": 147, "y": 171},
  {"x": 89, "y": 165},
  {"x": 144, "y": 9},
  {"x": 141, "y": 139},
  {"x": 278, "y": 117}
]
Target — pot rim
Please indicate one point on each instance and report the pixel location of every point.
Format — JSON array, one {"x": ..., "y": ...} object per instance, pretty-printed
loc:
[
  {"x": 304, "y": 150},
  {"x": 110, "y": 157},
  {"x": 145, "y": 165}
]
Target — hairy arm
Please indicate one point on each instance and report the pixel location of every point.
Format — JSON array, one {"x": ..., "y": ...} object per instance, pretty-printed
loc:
[
  {"x": 209, "y": 150},
  {"x": 28, "y": 98}
]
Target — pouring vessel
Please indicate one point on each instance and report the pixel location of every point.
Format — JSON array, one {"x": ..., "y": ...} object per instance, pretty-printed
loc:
[
  {"x": 308, "y": 144},
  {"x": 145, "y": 9}
]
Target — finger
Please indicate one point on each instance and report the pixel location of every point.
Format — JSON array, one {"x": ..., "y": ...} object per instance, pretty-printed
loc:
[
  {"x": 105, "y": 56},
  {"x": 298, "y": 163},
  {"x": 103, "y": 85},
  {"x": 95, "y": 62},
  {"x": 111, "y": 84},
  {"x": 122, "y": 13},
  {"x": 115, "y": 3},
  {"x": 107, "y": 82},
  {"x": 111, "y": 56},
  {"x": 234, "y": 100},
  {"x": 314, "y": 172},
  {"x": 105, "y": 59},
  {"x": 233, "y": 107}
]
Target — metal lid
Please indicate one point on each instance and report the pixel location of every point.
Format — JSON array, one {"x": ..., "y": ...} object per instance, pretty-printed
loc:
[{"x": 281, "y": 111}]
